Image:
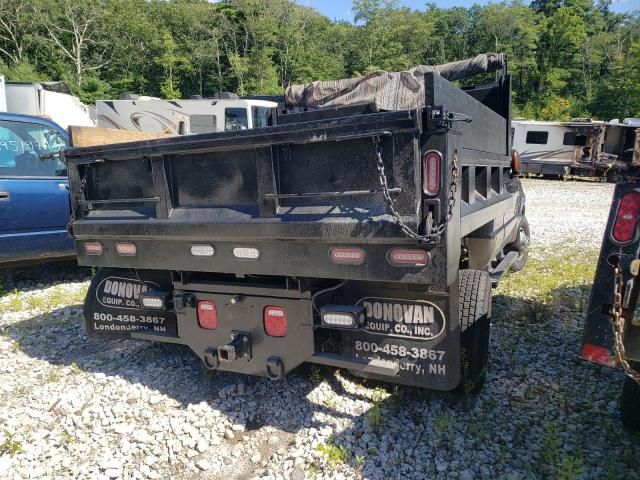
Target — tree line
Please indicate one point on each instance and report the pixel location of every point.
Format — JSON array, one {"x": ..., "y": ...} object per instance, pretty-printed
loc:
[{"x": 568, "y": 58}]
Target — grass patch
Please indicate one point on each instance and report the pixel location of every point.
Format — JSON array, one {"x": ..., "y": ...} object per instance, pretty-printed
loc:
[
  {"x": 67, "y": 438},
  {"x": 50, "y": 377},
  {"x": 562, "y": 281},
  {"x": 570, "y": 468},
  {"x": 44, "y": 301},
  {"x": 333, "y": 453},
  {"x": 10, "y": 446}
]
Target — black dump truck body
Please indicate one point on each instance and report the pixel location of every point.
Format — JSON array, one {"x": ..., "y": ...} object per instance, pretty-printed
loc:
[
  {"x": 612, "y": 329},
  {"x": 336, "y": 236}
]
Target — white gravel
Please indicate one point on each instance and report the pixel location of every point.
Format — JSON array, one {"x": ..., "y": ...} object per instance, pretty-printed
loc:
[
  {"x": 72, "y": 407},
  {"x": 571, "y": 213}
]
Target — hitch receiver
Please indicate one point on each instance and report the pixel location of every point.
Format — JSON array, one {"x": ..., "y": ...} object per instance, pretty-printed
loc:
[{"x": 239, "y": 347}]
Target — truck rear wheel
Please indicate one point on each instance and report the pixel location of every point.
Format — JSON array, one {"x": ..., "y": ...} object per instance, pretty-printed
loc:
[
  {"x": 630, "y": 403},
  {"x": 475, "y": 314}
]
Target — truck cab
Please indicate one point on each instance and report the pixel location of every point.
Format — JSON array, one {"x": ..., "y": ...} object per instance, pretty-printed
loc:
[{"x": 34, "y": 191}]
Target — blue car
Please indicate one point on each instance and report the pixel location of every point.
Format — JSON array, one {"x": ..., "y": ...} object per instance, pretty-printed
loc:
[{"x": 34, "y": 191}]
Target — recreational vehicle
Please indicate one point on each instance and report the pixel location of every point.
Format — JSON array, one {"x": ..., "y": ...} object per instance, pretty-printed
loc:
[
  {"x": 51, "y": 100},
  {"x": 183, "y": 117},
  {"x": 579, "y": 147}
]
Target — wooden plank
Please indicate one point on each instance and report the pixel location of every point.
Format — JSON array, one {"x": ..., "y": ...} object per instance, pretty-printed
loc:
[{"x": 92, "y": 136}]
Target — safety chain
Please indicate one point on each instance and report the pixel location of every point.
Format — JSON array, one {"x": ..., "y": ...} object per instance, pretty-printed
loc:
[
  {"x": 617, "y": 326},
  {"x": 434, "y": 231}
]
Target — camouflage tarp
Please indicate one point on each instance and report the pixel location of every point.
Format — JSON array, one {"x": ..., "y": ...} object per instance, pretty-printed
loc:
[{"x": 386, "y": 90}]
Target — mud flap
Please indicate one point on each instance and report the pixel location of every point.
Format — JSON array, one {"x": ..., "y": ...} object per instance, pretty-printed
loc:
[
  {"x": 112, "y": 308},
  {"x": 420, "y": 335}
]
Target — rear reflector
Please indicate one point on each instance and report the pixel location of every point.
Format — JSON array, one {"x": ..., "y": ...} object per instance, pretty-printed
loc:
[
  {"x": 431, "y": 182},
  {"x": 203, "y": 250},
  {"x": 207, "y": 315},
  {"x": 347, "y": 255},
  {"x": 127, "y": 249},
  {"x": 402, "y": 257},
  {"x": 598, "y": 354},
  {"x": 92, "y": 248},
  {"x": 275, "y": 321},
  {"x": 624, "y": 229},
  {"x": 247, "y": 253}
]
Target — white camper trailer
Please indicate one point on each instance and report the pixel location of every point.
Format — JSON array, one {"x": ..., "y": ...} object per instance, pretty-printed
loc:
[
  {"x": 52, "y": 100},
  {"x": 553, "y": 148},
  {"x": 149, "y": 114},
  {"x": 579, "y": 147}
]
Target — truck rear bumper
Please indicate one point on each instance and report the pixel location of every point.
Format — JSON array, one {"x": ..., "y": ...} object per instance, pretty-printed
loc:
[{"x": 405, "y": 339}]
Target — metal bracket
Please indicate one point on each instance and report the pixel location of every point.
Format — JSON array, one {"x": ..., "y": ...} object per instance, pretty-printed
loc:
[{"x": 441, "y": 117}]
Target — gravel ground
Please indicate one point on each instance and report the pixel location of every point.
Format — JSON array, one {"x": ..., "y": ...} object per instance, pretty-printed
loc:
[
  {"x": 572, "y": 213},
  {"x": 73, "y": 407}
]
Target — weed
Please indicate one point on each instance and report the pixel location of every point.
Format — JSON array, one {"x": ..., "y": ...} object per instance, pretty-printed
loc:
[
  {"x": 372, "y": 452},
  {"x": 329, "y": 403},
  {"x": 67, "y": 438},
  {"x": 52, "y": 377},
  {"x": 443, "y": 423},
  {"x": 570, "y": 468},
  {"x": 468, "y": 382},
  {"x": 374, "y": 416},
  {"x": 550, "y": 444},
  {"x": 10, "y": 446},
  {"x": 417, "y": 417},
  {"x": 74, "y": 367},
  {"x": 612, "y": 469},
  {"x": 379, "y": 394},
  {"x": 315, "y": 374},
  {"x": 334, "y": 454},
  {"x": 3, "y": 291},
  {"x": 314, "y": 470},
  {"x": 15, "y": 303}
]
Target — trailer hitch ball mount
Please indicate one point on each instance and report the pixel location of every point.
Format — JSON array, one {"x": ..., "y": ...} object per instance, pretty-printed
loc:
[{"x": 239, "y": 347}]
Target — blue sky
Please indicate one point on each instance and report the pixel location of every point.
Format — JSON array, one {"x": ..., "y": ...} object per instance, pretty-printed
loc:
[{"x": 341, "y": 9}]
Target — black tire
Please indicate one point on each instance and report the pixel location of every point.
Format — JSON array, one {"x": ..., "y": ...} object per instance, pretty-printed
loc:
[
  {"x": 521, "y": 245},
  {"x": 630, "y": 403},
  {"x": 475, "y": 314}
]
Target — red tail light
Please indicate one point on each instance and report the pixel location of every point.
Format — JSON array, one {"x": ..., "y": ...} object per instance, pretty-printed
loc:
[
  {"x": 93, "y": 248},
  {"x": 275, "y": 321},
  {"x": 597, "y": 354},
  {"x": 207, "y": 315},
  {"x": 402, "y": 257},
  {"x": 624, "y": 229},
  {"x": 347, "y": 255},
  {"x": 431, "y": 181}
]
